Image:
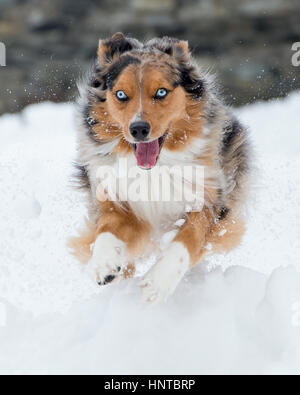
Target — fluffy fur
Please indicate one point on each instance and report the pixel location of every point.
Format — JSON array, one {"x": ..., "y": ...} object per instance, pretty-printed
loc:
[{"x": 195, "y": 128}]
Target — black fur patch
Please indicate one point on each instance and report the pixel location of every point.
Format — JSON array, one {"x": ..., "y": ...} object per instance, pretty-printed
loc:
[
  {"x": 169, "y": 51},
  {"x": 117, "y": 68},
  {"x": 88, "y": 119},
  {"x": 86, "y": 115},
  {"x": 223, "y": 213},
  {"x": 81, "y": 177},
  {"x": 230, "y": 133},
  {"x": 119, "y": 46},
  {"x": 191, "y": 84},
  {"x": 89, "y": 123},
  {"x": 96, "y": 84}
]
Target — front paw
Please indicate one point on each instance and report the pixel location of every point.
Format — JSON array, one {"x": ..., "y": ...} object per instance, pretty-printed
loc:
[
  {"x": 162, "y": 280},
  {"x": 108, "y": 260}
]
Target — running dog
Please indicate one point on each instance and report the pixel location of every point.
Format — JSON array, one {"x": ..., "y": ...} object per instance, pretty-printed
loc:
[{"x": 151, "y": 104}]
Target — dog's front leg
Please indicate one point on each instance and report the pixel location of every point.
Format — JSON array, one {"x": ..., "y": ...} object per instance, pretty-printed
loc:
[
  {"x": 121, "y": 236},
  {"x": 184, "y": 252}
]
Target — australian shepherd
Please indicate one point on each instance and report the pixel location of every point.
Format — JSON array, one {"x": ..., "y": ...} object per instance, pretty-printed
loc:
[{"x": 151, "y": 105}]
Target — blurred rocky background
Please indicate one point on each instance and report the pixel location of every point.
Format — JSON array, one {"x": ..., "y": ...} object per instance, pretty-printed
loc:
[{"x": 51, "y": 42}]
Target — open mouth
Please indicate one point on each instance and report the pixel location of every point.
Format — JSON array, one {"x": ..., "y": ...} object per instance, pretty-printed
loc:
[{"x": 147, "y": 153}]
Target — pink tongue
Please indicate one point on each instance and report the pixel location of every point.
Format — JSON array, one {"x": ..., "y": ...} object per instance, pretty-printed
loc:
[{"x": 146, "y": 154}]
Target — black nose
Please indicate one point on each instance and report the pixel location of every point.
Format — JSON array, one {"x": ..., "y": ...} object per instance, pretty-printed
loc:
[{"x": 140, "y": 130}]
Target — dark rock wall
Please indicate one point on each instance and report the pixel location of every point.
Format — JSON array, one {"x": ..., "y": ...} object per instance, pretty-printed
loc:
[{"x": 50, "y": 42}]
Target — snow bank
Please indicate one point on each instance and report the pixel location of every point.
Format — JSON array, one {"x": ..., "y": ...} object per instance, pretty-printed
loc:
[{"x": 238, "y": 313}]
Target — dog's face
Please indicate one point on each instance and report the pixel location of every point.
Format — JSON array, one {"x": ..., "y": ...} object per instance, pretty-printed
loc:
[
  {"x": 145, "y": 93},
  {"x": 145, "y": 102}
]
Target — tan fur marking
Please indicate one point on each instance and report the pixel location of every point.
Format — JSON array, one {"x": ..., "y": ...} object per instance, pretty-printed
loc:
[
  {"x": 122, "y": 224},
  {"x": 106, "y": 128},
  {"x": 80, "y": 245},
  {"x": 182, "y": 132},
  {"x": 200, "y": 229},
  {"x": 125, "y": 226},
  {"x": 129, "y": 271},
  {"x": 235, "y": 229},
  {"x": 194, "y": 232}
]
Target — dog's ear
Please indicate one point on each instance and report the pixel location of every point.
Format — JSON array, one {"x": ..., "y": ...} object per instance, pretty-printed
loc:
[
  {"x": 113, "y": 47},
  {"x": 172, "y": 47},
  {"x": 190, "y": 79},
  {"x": 181, "y": 51}
]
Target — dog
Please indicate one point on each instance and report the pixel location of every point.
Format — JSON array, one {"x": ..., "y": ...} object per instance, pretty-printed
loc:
[{"x": 151, "y": 105}]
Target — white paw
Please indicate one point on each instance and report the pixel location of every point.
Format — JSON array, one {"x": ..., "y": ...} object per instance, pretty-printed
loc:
[
  {"x": 162, "y": 280},
  {"x": 108, "y": 260}
]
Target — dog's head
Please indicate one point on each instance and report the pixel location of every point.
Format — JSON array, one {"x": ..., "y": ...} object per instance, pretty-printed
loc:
[{"x": 145, "y": 90}]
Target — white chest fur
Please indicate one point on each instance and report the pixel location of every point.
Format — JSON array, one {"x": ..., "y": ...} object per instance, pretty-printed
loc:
[{"x": 160, "y": 196}]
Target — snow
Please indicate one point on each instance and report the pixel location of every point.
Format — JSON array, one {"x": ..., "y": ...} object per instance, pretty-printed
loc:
[{"x": 235, "y": 313}]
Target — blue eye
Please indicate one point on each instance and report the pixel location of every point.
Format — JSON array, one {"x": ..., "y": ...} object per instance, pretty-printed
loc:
[
  {"x": 122, "y": 96},
  {"x": 161, "y": 93}
]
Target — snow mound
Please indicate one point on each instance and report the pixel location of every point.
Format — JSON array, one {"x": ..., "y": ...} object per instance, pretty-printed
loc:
[{"x": 236, "y": 313}]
